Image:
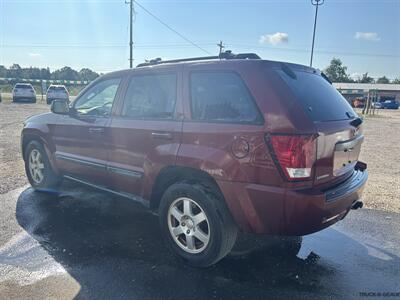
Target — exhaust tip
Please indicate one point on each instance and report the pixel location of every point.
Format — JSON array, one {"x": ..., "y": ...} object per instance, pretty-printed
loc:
[{"x": 358, "y": 204}]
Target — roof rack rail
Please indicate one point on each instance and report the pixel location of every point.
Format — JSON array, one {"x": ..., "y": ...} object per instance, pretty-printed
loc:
[{"x": 224, "y": 55}]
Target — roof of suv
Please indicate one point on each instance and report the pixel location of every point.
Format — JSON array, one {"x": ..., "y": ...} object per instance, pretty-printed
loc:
[{"x": 237, "y": 61}]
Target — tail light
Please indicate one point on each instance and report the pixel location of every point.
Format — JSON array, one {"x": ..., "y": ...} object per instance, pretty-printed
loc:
[{"x": 295, "y": 154}]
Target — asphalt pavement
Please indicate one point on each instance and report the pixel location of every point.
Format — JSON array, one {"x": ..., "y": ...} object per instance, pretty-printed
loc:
[{"x": 85, "y": 244}]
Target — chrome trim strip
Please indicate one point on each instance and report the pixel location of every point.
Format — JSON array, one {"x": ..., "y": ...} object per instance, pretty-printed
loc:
[
  {"x": 125, "y": 172},
  {"x": 349, "y": 145},
  {"x": 102, "y": 188},
  {"x": 81, "y": 161},
  {"x": 322, "y": 176},
  {"x": 116, "y": 170},
  {"x": 331, "y": 218}
]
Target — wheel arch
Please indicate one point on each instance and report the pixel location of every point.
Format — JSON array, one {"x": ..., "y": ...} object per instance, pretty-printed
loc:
[
  {"x": 173, "y": 174},
  {"x": 31, "y": 135}
]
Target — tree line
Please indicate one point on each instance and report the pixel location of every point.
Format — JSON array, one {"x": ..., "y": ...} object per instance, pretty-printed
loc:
[
  {"x": 65, "y": 73},
  {"x": 337, "y": 72}
]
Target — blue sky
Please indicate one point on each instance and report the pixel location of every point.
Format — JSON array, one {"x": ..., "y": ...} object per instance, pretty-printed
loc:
[{"x": 365, "y": 34}]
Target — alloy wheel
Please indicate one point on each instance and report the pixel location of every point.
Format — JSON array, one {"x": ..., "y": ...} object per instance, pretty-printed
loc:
[
  {"x": 36, "y": 166},
  {"x": 188, "y": 225}
]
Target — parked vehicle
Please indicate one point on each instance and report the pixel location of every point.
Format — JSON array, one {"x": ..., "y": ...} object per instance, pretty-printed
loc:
[
  {"x": 359, "y": 102},
  {"x": 214, "y": 146},
  {"x": 377, "y": 105},
  {"x": 23, "y": 92},
  {"x": 56, "y": 92},
  {"x": 389, "y": 104}
]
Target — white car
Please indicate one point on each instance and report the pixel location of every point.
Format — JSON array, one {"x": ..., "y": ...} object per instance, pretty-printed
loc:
[
  {"x": 56, "y": 92},
  {"x": 24, "y": 92}
]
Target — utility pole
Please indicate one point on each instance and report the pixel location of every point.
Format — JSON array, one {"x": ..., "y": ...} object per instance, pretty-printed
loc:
[
  {"x": 316, "y": 3},
  {"x": 131, "y": 11},
  {"x": 221, "y": 47}
]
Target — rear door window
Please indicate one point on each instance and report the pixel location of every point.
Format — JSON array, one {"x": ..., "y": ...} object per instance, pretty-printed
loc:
[
  {"x": 318, "y": 97},
  {"x": 151, "y": 97},
  {"x": 222, "y": 97}
]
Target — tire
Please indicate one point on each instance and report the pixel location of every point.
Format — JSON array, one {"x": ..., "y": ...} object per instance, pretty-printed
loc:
[
  {"x": 49, "y": 179},
  {"x": 217, "y": 230}
]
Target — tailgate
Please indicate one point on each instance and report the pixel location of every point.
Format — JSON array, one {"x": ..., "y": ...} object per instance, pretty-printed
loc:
[{"x": 338, "y": 149}]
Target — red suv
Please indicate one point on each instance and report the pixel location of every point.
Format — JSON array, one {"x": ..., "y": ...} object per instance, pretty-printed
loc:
[{"x": 215, "y": 145}]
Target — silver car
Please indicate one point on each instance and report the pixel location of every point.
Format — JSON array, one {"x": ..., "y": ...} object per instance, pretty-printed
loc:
[
  {"x": 56, "y": 92},
  {"x": 24, "y": 92}
]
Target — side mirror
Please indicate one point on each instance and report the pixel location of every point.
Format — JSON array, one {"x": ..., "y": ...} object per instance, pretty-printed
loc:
[{"x": 59, "y": 106}]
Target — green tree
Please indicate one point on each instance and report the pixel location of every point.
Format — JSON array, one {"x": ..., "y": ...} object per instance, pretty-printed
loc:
[
  {"x": 396, "y": 81},
  {"x": 3, "y": 71},
  {"x": 383, "y": 80},
  {"x": 65, "y": 73},
  {"x": 15, "y": 71},
  {"x": 45, "y": 73},
  {"x": 336, "y": 71},
  {"x": 366, "y": 79},
  {"x": 87, "y": 74}
]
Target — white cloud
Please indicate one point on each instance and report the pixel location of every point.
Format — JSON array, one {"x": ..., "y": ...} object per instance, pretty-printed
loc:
[
  {"x": 274, "y": 39},
  {"x": 35, "y": 55},
  {"x": 367, "y": 36}
]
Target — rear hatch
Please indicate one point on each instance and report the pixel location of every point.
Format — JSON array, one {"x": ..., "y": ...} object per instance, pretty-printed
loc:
[
  {"x": 339, "y": 134},
  {"x": 57, "y": 92},
  {"x": 24, "y": 90}
]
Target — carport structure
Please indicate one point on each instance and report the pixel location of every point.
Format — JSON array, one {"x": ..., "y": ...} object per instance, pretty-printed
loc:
[{"x": 357, "y": 90}]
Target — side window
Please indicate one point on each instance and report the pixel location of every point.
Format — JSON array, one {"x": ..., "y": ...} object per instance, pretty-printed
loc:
[
  {"x": 221, "y": 97},
  {"x": 151, "y": 96},
  {"x": 98, "y": 99}
]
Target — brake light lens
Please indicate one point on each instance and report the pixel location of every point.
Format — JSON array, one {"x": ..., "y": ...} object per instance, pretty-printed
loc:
[{"x": 296, "y": 155}]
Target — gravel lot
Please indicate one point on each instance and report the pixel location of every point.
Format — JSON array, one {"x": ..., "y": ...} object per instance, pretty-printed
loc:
[{"x": 380, "y": 151}]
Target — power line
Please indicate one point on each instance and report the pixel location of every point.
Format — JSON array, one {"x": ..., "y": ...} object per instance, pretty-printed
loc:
[
  {"x": 170, "y": 28},
  {"x": 239, "y": 45}
]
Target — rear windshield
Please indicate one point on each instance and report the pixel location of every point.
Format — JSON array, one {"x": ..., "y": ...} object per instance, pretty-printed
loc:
[
  {"x": 23, "y": 86},
  {"x": 318, "y": 97},
  {"x": 57, "y": 88}
]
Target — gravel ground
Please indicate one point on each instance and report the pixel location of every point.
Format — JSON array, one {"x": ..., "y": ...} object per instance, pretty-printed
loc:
[
  {"x": 12, "y": 117},
  {"x": 380, "y": 151}
]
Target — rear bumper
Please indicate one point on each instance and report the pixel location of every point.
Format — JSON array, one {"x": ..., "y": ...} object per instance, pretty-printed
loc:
[
  {"x": 51, "y": 99},
  {"x": 24, "y": 98},
  {"x": 279, "y": 211}
]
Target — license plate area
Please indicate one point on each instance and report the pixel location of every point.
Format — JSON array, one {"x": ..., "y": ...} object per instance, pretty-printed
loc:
[{"x": 346, "y": 155}]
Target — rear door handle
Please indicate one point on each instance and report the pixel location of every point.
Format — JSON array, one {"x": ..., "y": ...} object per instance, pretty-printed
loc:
[
  {"x": 96, "y": 130},
  {"x": 161, "y": 135}
]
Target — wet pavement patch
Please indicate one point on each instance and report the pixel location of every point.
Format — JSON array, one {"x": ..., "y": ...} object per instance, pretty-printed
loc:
[{"x": 112, "y": 248}]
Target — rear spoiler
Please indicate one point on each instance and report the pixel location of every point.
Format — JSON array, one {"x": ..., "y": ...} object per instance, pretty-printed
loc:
[{"x": 356, "y": 122}]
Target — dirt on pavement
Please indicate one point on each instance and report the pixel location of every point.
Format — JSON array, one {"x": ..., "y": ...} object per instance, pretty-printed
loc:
[{"x": 381, "y": 150}]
